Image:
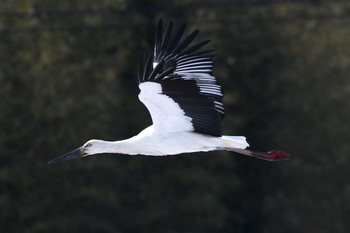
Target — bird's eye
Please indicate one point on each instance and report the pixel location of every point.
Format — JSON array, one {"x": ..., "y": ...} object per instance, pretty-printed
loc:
[{"x": 88, "y": 145}]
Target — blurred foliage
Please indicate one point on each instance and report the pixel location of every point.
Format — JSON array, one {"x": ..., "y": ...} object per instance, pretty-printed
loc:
[{"x": 68, "y": 74}]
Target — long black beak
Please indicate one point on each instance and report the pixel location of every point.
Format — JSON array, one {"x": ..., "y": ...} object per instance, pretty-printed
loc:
[{"x": 77, "y": 153}]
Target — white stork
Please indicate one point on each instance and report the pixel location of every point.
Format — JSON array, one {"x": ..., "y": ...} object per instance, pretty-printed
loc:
[{"x": 185, "y": 103}]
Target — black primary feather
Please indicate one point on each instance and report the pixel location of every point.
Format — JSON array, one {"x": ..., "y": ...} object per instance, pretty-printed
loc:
[{"x": 184, "y": 73}]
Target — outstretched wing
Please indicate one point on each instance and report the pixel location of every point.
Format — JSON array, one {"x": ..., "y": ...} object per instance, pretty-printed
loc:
[{"x": 177, "y": 86}]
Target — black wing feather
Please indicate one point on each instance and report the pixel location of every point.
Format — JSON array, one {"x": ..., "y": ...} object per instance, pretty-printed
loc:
[
  {"x": 183, "y": 71},
  {"x": 175, "y": 40},
  {"x": 186, "y": 42},
  {"x": 159, "y": 36},
  {"x": 195, "y": 47},
  {"x": 167, "y": 35},
  {"x": 205, "y": 118},
  {"x": 148, "y": 66}
]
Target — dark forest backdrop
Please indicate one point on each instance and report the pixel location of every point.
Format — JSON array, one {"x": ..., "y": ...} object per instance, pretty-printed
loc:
[{"x": 68, "y": 74}]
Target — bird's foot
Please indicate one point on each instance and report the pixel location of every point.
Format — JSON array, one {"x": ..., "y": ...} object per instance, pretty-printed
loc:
[{"x": 273, "y": 155}]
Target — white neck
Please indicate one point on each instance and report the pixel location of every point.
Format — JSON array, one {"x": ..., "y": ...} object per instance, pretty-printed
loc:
[{"x": 123, "y": 147}]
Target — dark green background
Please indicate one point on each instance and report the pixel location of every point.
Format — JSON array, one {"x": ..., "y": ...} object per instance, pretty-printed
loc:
[{"x": 68, "y": 74}]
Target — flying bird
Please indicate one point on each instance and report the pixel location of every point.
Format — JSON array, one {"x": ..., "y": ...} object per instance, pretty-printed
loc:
[{"x": 184, "y": 100}]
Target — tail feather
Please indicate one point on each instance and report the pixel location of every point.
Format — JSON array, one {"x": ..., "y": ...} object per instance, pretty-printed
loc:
[{"x": 235, "y": 141}]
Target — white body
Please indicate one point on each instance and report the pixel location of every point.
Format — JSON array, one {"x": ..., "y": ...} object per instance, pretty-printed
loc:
[
  {"x": 171, "y": 132},
  {"x": 151, "y": 142}
]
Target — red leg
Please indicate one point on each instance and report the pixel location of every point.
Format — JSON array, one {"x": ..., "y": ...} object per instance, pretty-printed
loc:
[{"x": 269, "y": 156}]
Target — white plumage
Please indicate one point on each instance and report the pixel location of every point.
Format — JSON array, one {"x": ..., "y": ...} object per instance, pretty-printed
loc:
[{"x": 184, "y": 100}]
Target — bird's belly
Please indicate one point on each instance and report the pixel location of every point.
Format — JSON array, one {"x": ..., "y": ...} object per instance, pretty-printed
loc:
[{"x": 179, "y": 142}]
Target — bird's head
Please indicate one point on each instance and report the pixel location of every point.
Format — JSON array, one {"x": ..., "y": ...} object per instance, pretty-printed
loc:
[{"x": 89, "y": 148}]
